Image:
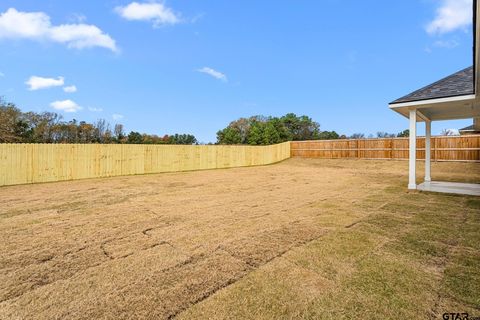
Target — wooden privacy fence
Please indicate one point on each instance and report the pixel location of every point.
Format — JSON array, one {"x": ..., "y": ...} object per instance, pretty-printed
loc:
[
  {"x": 443, "y": 148},
  {"x": 32, "y": 163}
]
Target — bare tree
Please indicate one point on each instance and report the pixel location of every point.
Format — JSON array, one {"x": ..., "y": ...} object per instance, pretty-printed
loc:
[
  {"x": 450, "y": 132},
  {"x": 118, "y": 132},
  {"x": 100, "y": 128}
]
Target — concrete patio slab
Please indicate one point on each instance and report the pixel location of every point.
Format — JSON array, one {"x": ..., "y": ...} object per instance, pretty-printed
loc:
[{"x": 451, "y": 187}]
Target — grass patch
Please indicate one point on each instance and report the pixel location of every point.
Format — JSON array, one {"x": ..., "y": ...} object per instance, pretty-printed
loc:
[
  {"x": 412, "y": 244},
  {"x": 462, "y": 278},
  {"x": 381, "y": 288},
  {"x": 473, "y": 203},
  {"x": 303, "y": 239}
]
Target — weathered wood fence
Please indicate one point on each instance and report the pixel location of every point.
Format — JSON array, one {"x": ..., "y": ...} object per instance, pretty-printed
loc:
[
  {"x": 32, "y": 163},
  {"x": 461, "y": 148}
]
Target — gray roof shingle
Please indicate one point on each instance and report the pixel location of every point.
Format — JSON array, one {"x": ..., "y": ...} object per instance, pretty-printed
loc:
[
  {"x": 458, "y": 84},
  {"x": 469, "y": 128}
]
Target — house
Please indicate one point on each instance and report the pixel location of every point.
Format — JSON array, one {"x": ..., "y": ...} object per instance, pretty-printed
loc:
[
  {"x": 454, "y": 97},
  {"x": 473, "y": 129}
]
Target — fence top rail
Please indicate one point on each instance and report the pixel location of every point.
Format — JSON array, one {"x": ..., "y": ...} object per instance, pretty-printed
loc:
[
  {"x": 140, "y": 145},
  {"x": 392, "y": 138},
  {"x": 463, "y": 136}
]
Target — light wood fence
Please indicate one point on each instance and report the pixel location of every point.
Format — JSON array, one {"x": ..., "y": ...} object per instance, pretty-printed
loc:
[
  {"x": 32, "y": 163},
  {"x": 461, "y": 148}
]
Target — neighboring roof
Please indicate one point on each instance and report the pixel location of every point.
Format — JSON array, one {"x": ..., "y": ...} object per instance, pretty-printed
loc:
[
  {"x": 469, "y": 128},
  {"x": 458, "y": 84}
]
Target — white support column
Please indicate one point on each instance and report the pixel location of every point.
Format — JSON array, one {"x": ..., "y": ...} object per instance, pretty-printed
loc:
[
  {"x": 412, "y": 183},
  {"x": 428, "y": 151}
]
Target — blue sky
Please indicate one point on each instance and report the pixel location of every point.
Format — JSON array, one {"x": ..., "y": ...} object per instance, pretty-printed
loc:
[{"x": 193, "y": 66}]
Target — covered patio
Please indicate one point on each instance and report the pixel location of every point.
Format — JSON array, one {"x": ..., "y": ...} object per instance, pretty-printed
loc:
[{"x": 454, "y": 97}]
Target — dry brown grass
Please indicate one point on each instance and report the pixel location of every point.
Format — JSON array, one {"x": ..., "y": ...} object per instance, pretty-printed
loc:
[{"x": 301, "y": 239}]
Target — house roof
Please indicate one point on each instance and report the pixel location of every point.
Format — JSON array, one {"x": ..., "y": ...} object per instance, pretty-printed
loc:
[
  {"x": 458, "y": 84},
  {"x": 469, "y": 128}
]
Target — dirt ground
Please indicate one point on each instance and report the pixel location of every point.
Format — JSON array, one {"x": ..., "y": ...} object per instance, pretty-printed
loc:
[{"x": 303, "y": 238}]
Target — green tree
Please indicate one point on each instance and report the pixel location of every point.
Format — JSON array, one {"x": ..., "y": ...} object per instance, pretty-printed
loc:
[
  {"x": 134, "y": 138},
  {"x": 229, "y": 135},
  {"x": 283, "y": 133},
  {"x": 301, "y": 128},
  {"x": 255, "y": 135},
  {"x": 242, "y": 127},
  {"x": 328, "y": 135},
  {"x": 270, "y": 134},
  {"x": 404, "y": 134},
  {"x": 24, "y": 131},
  {"x": 186, "y": 139},
  {"x": 259, "y": 130}
]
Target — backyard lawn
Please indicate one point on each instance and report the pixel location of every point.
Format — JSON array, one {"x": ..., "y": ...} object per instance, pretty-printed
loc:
[{"x": 305, "y": 238}]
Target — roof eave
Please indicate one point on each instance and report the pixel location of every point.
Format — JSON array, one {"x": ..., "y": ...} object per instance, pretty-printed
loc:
[
  {"x": 420, "y": 103},
  {"x": 459, "y": 107}
]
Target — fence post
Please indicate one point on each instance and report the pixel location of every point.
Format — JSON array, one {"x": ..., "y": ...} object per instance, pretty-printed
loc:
[{"x": 391, "y": 148}]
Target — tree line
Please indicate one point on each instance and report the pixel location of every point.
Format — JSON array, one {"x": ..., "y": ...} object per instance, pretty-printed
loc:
[
  {"x": 261, "y": 130},
  {"x": 49, "y": 127}
]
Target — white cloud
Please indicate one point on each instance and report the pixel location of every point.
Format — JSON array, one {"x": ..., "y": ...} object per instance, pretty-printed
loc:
[
  {"x": 117, "y": 116},
  {"x": 70, "y": 89},
  {"x": 37, "y": 83},
  {"x": 95, "y": 109},
  {"x": 2, "y": 74},
  {"x": 15, "y": 24},
  {"x": 451, "y": 15},
  {"x": 66, "y": 106},
  {"x": 214, "y": 73},
  {"x": 37, "y": 26},
  {"x": 155, "y": 12}
]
